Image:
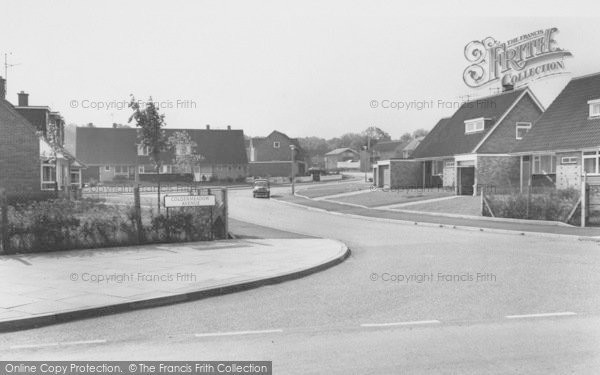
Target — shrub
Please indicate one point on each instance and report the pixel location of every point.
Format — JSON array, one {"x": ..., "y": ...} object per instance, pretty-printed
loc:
[{"x": 554, "y": 205}]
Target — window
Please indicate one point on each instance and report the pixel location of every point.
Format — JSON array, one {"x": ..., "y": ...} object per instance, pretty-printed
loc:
[
  {"x": 568, "y": 160},
  {"x": 141, "y": 169},
  {"x": 167, "y": 168},
  {"x": 276, "y": 144},
  {"x": 48, "y": 177},
  {"x": 437, "y": 167},
  {"x": 594, "y": 108},
  {"x": 522, "y": 129},
  {"x": 183, "y": 149},
  {"x": 75, "y": 177},
  {"x": 450, "y": 164},
  {"x": 121, "y": 169},
  {"x": 107, "y": 168},
  {"x": 590, "y": 162},
  {"x": 475, "y": 125},
  {"x": 143, "y": 150},
  {"x": 544, "y": 164}
]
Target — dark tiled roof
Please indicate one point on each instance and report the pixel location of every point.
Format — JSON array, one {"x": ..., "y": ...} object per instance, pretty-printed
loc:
[
  {"x": 9, "y": 116},
  {"x": 448, "y": 136},
  {"x": 566, "y": 124},
  {"x": 388, "y": 146},
  {"x": 118, "y": 146}
]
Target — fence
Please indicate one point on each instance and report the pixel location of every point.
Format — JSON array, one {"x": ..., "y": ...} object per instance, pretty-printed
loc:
[
  {"x": 55, "y": 223},
  {"x": 533, "y": 203}
]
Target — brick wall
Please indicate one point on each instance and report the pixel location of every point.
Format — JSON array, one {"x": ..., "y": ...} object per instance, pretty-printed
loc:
[
  {"x": 274, "y": 169},
  {"x": 405, "y": 173},
  {"x": 449, "y": 177},
  {"x": 266, "y": 152},
  {"x": 19, "y": 156},
  {"x": 568, "y": 175},
  {"x": 504, "y": 138},
  {"x": 498, "y": 171}
]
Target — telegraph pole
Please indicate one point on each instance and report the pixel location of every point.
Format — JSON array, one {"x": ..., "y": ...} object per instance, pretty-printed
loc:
[{"x": 6, "y": 66}]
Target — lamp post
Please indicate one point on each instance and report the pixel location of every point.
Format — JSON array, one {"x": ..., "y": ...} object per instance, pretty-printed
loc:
[{"x": 293, "y": 148}]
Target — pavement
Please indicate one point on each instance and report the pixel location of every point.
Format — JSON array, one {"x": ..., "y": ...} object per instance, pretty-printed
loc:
[
  {"x": 537, "y": 227},
  {"x": 46, "y": 288}
]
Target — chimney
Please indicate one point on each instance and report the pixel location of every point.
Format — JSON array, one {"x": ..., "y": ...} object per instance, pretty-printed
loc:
[
  {"x": 2, "y": 88},
  {"x": 228, "y": 127},
  {"x": 23, "y": 99},
  {"x": 207, "y": 127}
]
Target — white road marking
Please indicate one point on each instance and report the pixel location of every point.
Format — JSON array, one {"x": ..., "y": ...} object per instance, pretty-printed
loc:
[
  {"x": 53, "y": 344},
  {"x": 542, "y": 315},
  {"x": 416, "y": 322},
  {"x": 214, "y": 334}
]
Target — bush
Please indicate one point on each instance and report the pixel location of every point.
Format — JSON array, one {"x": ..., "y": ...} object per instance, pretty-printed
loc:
[{"x": 554, "y": 205}]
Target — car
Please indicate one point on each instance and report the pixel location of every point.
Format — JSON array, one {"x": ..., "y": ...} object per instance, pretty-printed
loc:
[{"x": 261, "y": 188}]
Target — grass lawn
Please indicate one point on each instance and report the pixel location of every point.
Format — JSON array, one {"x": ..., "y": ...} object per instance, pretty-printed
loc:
[
  {"x": 384, "y": 198},
  {"x": 459, "y": 205},
  {"x": 322, "y": 191}
]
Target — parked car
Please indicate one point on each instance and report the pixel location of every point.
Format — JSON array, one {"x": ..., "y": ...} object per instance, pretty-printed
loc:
[{"x": 261, "y": 188}]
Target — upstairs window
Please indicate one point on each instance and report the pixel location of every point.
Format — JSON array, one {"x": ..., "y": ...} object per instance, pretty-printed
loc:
[
  {"x": 143, "y": 150},
  {"x": 594, "y": 108},
  {"x": 276, "y": 144},
  {"x": 522, "y": 129},
  {"x": 475, "y": 125}
]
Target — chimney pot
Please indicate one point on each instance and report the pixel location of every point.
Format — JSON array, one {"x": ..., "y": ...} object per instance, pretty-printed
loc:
[
  {"x": 2, "y": 88},
  {"x": 23, "y": 99},
  {"x": 228, "y": 127},
  {"x": 207, "y": 127}
]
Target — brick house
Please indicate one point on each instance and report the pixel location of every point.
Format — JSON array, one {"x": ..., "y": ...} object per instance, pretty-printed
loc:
[
  {"x": 565, "y": 142},
  {"x": 472, "y": 147},
  {"x": 19, "y": 149},
  {"x": 271, "y": 156},
  {"x": 60, "y": 169},
  {"x": 113, "y": 154},
  {"x": 340, "y": 155},
  {"x": 384, "y": 150}
]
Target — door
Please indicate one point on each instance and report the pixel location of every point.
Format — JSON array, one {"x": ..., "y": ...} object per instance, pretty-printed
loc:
[
  {"x": 466, "y": 180},
  {"x": 387, "y": 181}
]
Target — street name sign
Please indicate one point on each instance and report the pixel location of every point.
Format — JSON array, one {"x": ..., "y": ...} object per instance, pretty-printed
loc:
[{"x": 189, "y": 200}]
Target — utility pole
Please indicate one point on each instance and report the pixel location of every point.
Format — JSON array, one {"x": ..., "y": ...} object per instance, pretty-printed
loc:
[
  {"x": 6, "y": 66},
  {"x": 293, "y": 148}
]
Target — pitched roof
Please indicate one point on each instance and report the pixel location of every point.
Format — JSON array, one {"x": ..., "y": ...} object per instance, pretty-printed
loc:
[
  {"x": 10, "y": 116},
  {"x": 412, "y": 145},
  {"x": 338, "y": 151},
  {"x": 448, "y": 136},
  {"x": 566, "y": 124},
  {"x": 388, "y": 146},
  {"x": 118, "y": 146}
]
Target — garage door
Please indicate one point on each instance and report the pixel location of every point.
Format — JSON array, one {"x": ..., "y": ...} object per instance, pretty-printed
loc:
[{"x": 386, "y": 176}]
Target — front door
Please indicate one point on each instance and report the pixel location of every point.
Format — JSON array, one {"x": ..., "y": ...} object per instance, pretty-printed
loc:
[{"x": 466, "y": 180}]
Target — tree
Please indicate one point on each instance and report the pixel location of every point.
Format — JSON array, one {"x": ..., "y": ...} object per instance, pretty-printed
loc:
[
  {"x": 420, "y": 133},
  {"x": 186, "y": 153},
  {"x": 152, "y": 135},
  {"x": 375, "y": 133},
  {"x": 406, "y": 137}
]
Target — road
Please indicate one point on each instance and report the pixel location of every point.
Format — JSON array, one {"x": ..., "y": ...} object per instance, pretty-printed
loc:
[{"x": 485, "y": 303}]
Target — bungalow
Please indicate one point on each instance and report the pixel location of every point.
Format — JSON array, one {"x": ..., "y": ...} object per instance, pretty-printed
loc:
[
  {"x": 113, "y": 154},
  {"x": 471, "y": 148},
  {"x": 271, "y": 156},
  {"x": 564, "y": 144},
  {"x": 340, "y": 155}
]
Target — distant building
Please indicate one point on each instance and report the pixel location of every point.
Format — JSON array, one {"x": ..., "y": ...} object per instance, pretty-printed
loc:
[
  {"x": 340, "y": 155},
  {"x": 408, "y": 150},
  {"x": 113, "y": 154},
  {"x": 271, "y": 156},
  {"x": 384, "y": 150}
]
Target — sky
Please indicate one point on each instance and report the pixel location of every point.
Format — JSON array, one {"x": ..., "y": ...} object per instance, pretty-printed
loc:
[{"x": 306, "y": 68}]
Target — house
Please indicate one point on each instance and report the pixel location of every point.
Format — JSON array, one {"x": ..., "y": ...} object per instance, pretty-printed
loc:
[
  {"x": 408, "y": 150},
  {"x": 472, "y": 148},
  {"x": 341, "y": 155},
  {"x": 19, "y": 150},
  {"x": 384, "y": 150},
  {"x": 271, "y": 156},
  {"x": 564, "y": 144},
  {"x": 113, "y": 154}
]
